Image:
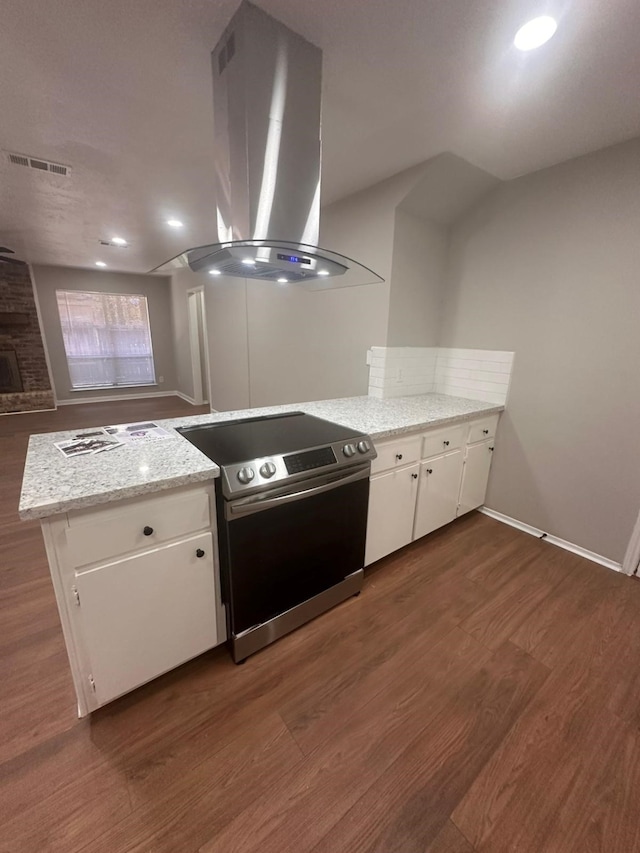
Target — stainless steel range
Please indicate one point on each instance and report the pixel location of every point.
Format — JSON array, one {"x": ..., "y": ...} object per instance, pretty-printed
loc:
[{"x": 292, "y": 504}]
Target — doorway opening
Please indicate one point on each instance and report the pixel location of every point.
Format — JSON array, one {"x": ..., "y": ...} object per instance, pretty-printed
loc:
[{"x": 199, "y": 346}]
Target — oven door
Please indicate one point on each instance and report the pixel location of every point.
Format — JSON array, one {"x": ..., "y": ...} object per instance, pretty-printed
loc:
[{"x": 282, "y": 548}]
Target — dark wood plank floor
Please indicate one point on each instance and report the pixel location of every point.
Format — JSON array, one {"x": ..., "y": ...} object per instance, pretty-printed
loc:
[{"x": 482, "y": 694}]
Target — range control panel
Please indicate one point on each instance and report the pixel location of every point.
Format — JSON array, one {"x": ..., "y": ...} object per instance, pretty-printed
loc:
[
  {"x": 296, "y": 463},
  {"x": 260, "y": 474}
]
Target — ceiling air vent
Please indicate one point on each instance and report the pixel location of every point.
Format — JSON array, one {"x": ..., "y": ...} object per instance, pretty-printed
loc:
[
  {"x": 115, "y": 245},
  {"x": 37, "y": 163}
]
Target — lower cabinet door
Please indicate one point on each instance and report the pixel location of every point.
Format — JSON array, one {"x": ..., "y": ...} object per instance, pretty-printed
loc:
[
  {"x": 438, "y": 492},
  {"x": 475, "y": 476},
  {"x": 144, "y": 615},
  {"x": 392, "y": 501}
]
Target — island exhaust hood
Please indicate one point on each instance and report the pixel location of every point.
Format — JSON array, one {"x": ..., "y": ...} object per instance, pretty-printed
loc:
[{"x": 266, "y": 108}]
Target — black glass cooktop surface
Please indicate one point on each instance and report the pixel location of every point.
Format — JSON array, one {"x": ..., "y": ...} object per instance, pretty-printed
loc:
[{"x": 228, "y": 442}]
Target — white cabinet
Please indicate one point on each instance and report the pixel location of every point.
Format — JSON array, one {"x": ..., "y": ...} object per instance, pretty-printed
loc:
[
  {"x": 409, "y": 499},
  {"x": 138, "y": 589},
  {"x": 437, "y": 493},
  {"x": 144, "y": 615},
  {"x": 475, "y": 476},
  {"x": 392, "y": 498}
]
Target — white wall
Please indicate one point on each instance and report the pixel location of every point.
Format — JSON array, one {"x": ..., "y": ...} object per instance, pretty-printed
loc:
[
  {"x": 226, "y": 313},
  {"x": 548, "y": 265},
  {"x": 417, "y": 280}
]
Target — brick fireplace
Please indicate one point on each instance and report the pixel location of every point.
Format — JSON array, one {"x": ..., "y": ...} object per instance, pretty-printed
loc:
[{"x": 24, "y": 379}]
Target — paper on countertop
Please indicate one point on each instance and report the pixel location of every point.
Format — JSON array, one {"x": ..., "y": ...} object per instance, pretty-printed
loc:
[
  {"x": 94, "y": 441},
  {"x": 140, "y": 431},
  {"x": 110, "y": 437}
]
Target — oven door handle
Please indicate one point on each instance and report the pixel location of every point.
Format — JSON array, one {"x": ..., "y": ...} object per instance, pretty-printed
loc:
[{"x": 236, "y": 509}]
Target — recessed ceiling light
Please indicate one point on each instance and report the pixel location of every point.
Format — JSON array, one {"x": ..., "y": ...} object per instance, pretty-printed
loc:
[
  {"x": 100, "y": 264},
  {"x": 215, "y": 272},
  {"x": 119, "y": 241},
  {"x": 323, "y": 272},
  {"x": 283, "y": 280},
  {"x": 249, "y": 262},
  {"x": 535, "y": 33},
  {"x": 174, "y": 223}
]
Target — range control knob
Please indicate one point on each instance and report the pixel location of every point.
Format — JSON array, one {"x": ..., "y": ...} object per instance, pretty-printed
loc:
[
  {"x": 363, "y": 446},
  {"x": 349, "y": 449},
  {"x": 246, "y": 475},
  {"x": 268, "y": 469}
]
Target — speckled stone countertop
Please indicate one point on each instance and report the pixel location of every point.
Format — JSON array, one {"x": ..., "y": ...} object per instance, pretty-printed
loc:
[{"x": 53, "y": 484}]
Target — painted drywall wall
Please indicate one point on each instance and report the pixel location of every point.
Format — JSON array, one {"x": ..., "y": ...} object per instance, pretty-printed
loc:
[
  {"x": 417, "y": 281},
  {"x": 157, "y": 289},
  {"x": 226, "y": 317},
  {"x": 547, "y": 265},
  {"x": 446, "y": 188}
]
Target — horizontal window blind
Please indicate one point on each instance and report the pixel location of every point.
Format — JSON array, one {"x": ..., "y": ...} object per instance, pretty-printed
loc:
[{"x": 107, "y": 339}]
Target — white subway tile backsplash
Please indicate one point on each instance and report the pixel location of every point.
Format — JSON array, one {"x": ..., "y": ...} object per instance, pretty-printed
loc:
[
  {"x": 376, "y": 382},
  {"x": 476, "y": 374}
]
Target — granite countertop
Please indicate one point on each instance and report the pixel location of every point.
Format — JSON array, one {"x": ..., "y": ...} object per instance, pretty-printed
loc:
[{"x": 54, "y": 484}]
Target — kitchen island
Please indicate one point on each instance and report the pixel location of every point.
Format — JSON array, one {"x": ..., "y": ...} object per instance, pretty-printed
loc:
[
  {"x": 131, "y": 532},
  {"x": 53, "y": 484}
]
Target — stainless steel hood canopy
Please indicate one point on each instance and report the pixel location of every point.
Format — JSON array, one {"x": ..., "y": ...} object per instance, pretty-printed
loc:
[{"x": 266, "y": 103}]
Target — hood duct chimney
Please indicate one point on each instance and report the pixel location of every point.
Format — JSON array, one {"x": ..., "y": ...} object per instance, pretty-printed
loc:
[
  {"x": 267, "y": 84},
  {"x": 266, "y": 113}
]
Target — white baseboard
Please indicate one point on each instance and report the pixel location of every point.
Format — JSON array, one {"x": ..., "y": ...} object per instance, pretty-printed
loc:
[
  {"x": 112, "y": 398},
  {"x": 27, "y": 412},
  {"x": 189, "y": 399},
  {"x": 554, "y": 540}
]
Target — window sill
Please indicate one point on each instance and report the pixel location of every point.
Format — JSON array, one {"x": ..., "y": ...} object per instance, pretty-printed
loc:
[{"x": 111, "y": 387}]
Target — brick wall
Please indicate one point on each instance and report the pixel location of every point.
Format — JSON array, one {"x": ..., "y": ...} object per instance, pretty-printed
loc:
[{"x": 16, "y": 295}]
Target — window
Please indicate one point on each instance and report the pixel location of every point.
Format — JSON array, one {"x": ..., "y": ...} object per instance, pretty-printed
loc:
[{"x": 107, "y": 339}]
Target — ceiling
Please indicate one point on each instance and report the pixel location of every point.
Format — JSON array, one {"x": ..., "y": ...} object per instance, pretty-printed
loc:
[{"x": 121, "y": 92}]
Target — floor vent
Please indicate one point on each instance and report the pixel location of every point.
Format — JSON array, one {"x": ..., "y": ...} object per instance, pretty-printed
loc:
[{"x": 40, "y": 165}]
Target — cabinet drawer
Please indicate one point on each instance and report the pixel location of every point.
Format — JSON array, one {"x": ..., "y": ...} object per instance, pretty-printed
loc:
[
  {"x": 481, "y": 430},
  {"x": 393, "y": 454},
  {"x": 103, "y": 533},
  {"x": 443, "y": 440}
]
